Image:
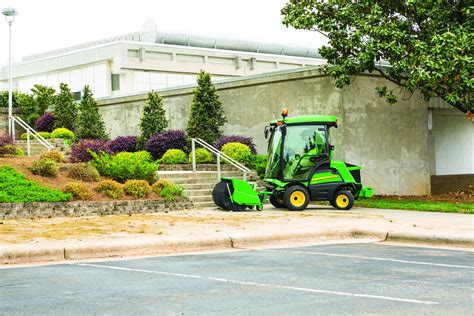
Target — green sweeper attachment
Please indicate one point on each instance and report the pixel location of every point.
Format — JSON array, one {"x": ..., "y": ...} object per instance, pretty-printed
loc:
[{"x": 299, "y": 169}]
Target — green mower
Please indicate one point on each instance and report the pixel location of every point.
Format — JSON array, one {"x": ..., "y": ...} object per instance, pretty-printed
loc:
[{"x": 299, "y": 169}]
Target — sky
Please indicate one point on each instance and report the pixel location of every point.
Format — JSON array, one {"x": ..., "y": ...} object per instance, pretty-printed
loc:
[{"x": 44, "y": 25}]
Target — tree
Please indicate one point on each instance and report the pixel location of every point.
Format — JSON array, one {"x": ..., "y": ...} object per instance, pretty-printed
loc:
[
  {"x": 420, "y": 45},
  {"x": 89, "y": 123},
  {"x": 153, "y": 120},
  {"x": 65, "y": 110},
  {"x": 207, "y": 114},
  {"x": 43, "y": 97}
]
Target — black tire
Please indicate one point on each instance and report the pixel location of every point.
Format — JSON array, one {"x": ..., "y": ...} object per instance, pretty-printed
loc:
[
  {"x": 223, "y": 197},
  {"x": 343, "y": 200},
  {"x": 276, "y": 202},
  {"x": 296, "y": 198},
  {"x": 218, "y": 193}
]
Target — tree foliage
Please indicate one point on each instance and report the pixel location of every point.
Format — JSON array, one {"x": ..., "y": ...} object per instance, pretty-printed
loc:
[
  {"x": 420, "y": 45},
  {"x": 153, "y": 120},
  {"x": 65, "y": 110},
  {"x": 207, "y": 114},
  {"x": 89, "y": 123}
]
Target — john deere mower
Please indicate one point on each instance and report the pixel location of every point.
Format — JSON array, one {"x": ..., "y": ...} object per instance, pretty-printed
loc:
[{"x": 299, "y": 169}]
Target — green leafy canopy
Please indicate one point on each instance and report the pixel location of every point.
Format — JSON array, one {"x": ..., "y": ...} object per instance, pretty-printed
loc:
[{"x": 420, "y": 45}]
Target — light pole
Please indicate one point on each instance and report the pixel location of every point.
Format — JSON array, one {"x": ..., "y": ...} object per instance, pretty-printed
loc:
[{"x": 10, "y": 14}]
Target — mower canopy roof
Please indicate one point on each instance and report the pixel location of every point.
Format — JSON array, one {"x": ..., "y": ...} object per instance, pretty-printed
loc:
[{"x": 308, "y": 119}]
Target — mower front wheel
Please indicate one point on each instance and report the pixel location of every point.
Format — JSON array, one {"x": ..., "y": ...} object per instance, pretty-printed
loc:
[
  {"x": 296, "y": 198},
  {"x": 343, "y": 200}
]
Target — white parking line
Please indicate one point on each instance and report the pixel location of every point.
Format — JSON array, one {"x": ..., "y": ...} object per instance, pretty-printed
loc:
[
  {"x": 364, "y": 257},
  {"x": 273, "y": 286}
]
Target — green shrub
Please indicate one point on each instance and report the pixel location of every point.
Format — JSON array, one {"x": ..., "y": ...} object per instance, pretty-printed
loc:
[
  {"x": 15, "y": 188},
  {"x": 202, "y": 156},
  {"x": 173, "y": 156},
  {"x": 238, "y": 152},
  {"x": 54, "y": 155},
  {"x": 259, "y": 164},
  {"x": 167, "y": 190},
  {"x": 11, "y": 150},
  {"x": 19, "y": 152},
  {"x": 83, "y": 171},
  {"x": 126, "y": 166},
  {"x": 63, "y": 133},
  {"x": 44, "y": 167},
  {"x": 136, "y": 188},
  {"x": 79, "y": 191},
  {"x": 110, "y": 188},
  {"x": 45, "y": 135},
  {"x": 159, "y": 185}
]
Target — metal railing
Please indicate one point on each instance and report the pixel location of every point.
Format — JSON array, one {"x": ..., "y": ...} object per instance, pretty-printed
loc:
[
  {"x": 30, "y": 131},
  {"x": 219, "y": 155}
]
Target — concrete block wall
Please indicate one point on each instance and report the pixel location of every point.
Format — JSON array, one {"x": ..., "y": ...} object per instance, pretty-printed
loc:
[{"x": 390, "y": 142}]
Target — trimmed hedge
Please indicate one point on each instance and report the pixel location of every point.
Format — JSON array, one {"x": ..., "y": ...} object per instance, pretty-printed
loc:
[
  {"x": 15, "y": 188},
  {"x": 79, "y": 191},
  {"x": 238, "y": 152},
  {"x": 62, "y": 133},
  {"x": 44, "y": 167},
  {"x": 173, "y": 156},
  {"x": 236, "y": 139},
  {"x": 202, "y": 156}
]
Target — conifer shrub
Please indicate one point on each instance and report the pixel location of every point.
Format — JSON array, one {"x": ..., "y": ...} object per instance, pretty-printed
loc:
[
  {"x": 78, "y": 191},
  {"x": 89, "y": 123},
  {"x": 62, "y": 133},
  {"x": 207, "y": 113},
  {"x": 54, "y": 155},
  {"x": 202, "y": 156},
  {"x": 238, "y": 152},
  {"x": 44, "y": 167},
  {"x": 153, "y": 120},
  {"x": 123, "y": 144},
  {"x": 174, "y": 156},
  {"x": 84, "y": 171},
  {"x": 45, "y": 123},
  {"x": 65, "y": 110},
  {"x": 158, "y": 144},
  {"x": 110, "y": 188},
  {"x": 136, "y": 188}
]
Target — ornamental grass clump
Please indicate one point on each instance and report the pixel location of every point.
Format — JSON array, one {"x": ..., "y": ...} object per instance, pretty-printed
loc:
[
  {"x": 202, "y": 156},
  {"x": 137, "y": 188},
  {"x": 110, "y": 188},
  {"x": 79, "y": 191},
  {"x": 84, "y": 171},
  {"x": 54, "y": 155},
  {"x": 158, "y": 144},
  {"x": 123, "y": 144},
  {"x": 174, "y": 156},
  {"x": 44, "y": 167}
]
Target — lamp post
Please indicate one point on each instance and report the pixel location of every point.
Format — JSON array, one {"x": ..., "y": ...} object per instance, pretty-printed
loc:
[{"x": 10, "y": 14}]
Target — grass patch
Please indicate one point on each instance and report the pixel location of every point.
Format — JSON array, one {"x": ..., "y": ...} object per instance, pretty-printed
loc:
[{"x": 417, "y": 205}]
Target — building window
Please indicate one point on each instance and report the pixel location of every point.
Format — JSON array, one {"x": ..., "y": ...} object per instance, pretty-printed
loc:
[
  {"x": 77, "y": 95},
  {"x": 115, "y": 82}
]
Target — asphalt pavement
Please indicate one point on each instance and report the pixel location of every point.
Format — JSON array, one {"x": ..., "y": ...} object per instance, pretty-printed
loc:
[{"x": 341, "y": 279}]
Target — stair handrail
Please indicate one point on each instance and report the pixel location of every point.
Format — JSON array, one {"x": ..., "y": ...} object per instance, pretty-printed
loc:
[
  {"x": 31, "y": 131},
  {"x": 219, "y": 155}
]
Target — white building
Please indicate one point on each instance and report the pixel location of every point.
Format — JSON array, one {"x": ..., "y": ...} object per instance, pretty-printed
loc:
[{"x": 150, "y": 59}]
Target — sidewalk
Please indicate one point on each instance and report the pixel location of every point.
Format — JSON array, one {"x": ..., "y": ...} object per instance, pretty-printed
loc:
[{"x": 76, "y": 238}]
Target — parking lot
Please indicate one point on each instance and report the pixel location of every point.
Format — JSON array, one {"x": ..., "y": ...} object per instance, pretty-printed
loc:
[{"x": 370, "y": 278}]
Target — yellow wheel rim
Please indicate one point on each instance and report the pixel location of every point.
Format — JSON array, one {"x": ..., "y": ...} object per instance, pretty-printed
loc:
[
  {"x": 342, "y": 200},
  {"x": 297, "y": 198}
]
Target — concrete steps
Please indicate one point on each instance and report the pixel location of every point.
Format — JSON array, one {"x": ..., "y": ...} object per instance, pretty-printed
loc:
[
  {"x": 198, "y": 186},
  {"x": 36, "y": 148}
]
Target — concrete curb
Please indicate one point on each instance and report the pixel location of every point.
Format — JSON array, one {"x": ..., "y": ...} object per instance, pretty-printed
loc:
[{"x": 106, "y": 249}]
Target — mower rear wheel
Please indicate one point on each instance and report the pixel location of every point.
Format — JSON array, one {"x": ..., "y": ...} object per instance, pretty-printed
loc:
[
  {"x": 276, "y": 202},
  {"x": 343, "y": 200},
  {"x": 220, "y": 190},
  {"x": 296, "y": 198}
]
